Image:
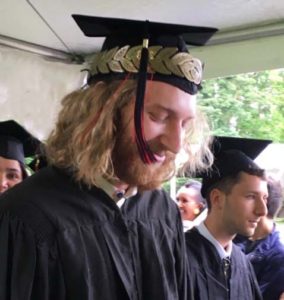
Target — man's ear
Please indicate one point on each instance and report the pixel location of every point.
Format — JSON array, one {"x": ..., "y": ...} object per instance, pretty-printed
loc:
[{"x": 217, "y": 198}]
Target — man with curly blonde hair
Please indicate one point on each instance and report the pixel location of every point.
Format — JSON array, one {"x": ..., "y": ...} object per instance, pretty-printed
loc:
[{"x": 95, "y": 223}]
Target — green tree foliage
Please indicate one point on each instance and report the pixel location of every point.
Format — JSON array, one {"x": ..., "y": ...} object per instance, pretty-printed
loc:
[{"x": 246, "y": 105}]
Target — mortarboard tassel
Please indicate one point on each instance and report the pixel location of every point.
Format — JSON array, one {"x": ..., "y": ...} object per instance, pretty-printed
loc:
[{"x": 146, "y": 154}]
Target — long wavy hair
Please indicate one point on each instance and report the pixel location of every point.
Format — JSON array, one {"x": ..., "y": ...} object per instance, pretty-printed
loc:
[{"x": 86, "y": 131}]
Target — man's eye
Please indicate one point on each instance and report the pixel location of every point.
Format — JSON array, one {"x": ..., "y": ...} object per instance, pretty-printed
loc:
[
  {"x": 158, "y": 117},
  {"x": 13, "y": 176}
]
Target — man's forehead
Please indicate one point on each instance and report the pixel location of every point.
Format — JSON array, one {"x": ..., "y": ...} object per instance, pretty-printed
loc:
[
  {"x": 248, "y": 180},
  {"x": 159, "y": 87},
  {"x": 167, "y": 97}
]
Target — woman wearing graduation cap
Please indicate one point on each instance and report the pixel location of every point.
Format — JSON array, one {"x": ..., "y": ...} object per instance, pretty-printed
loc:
[
  {"x": 95, "y": 224},
  {"x": 15, "y": 144}
]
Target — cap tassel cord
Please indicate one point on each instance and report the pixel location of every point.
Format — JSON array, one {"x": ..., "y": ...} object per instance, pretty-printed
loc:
[{"x": 146, "y": 154}]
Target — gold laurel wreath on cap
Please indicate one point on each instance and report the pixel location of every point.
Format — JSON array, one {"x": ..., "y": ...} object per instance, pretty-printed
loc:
[{"x": 163, "y": 60}]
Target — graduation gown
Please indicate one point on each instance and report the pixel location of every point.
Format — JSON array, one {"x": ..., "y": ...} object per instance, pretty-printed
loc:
[
  {"x": 60, "y": 240},
  {"x": 206, "y": 277}
]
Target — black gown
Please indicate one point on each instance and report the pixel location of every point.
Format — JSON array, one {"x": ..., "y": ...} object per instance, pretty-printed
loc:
[
  {"x": 60, "y": 240},
  {"x": 206, "y": 276}
]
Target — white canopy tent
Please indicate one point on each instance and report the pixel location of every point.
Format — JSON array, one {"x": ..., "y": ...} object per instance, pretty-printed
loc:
[
  {"x": 251, "y": 35},
  {"x": 38, "y": 37}
]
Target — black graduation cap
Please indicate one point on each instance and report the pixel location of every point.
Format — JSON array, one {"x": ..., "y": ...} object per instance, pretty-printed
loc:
[
  {"x": 16, "y": 142},
  {"x": 232, "y": 155},
  {"x": 167, "y": 41},
  {"x": 120, "y": 32},
  {"x": 145, "y": 49}
]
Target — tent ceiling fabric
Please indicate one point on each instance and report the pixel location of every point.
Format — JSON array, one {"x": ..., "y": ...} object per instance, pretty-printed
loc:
[{"x": 49, "y": 24}]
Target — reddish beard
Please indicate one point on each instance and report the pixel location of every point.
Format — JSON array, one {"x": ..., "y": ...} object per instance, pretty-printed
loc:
[{"x": 130, "y": 169}]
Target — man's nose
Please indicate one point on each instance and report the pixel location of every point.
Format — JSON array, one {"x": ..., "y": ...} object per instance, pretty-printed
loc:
[
  {"x": 261, "y": 207},
  {"x": 172, "y": 139}
]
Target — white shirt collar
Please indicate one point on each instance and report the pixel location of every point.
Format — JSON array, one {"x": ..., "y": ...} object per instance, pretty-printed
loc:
[
  {"x": 221, "y": 251},
  {"x": 119, "y": 196}
]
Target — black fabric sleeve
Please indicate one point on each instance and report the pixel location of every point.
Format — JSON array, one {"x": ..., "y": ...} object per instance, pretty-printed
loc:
[{"x": 30, "y": 270}]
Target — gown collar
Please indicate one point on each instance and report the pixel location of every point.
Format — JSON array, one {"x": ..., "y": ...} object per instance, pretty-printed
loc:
[
  {"x": 221, "y": 251},
  {"x": 118, "y": 195}
]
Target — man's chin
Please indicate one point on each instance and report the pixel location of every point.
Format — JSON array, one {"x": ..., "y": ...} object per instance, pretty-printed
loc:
[
  {"x": 156, "y": 179},
  {"x": 147, "y": 177},
  {"x": 248, "y": 233},
  {"x": 136, "y": 173}
]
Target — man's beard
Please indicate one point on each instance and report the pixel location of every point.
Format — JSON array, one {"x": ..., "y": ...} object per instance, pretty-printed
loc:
[{"x": 130, "y": 169}]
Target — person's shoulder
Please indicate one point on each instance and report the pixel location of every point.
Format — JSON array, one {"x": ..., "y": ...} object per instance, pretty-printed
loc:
[
  {"x": 238, "y": 251},
  {"x": 157, "y": 198},
  {"x": 237, "y": 248},
  {"x": 276, "y": 255},
  {"x": 239, "y": 258},
  {"x": 200, "y": 252},
  {"x": 24, "y": 190},
  {"x": 277, "y": 238},
  {"x": 194, "y": 240},
  {"x": 156, "y": 193},
  {"x": 34, "y": 188},
  {"x": 272, "y": 247},
  {"x": 33, "y": 202},
  {"x": 155, "y": 205},
  {"x": 18, "y": 210}
]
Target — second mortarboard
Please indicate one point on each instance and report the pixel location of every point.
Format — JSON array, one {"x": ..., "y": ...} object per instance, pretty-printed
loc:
[
  {"x": 232, "y": 155},
  {"x": 16, "y": 142},
  {"x": 145, "y": 50}
]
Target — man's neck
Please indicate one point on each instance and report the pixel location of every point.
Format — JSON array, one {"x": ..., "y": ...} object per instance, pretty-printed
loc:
[
  {"x": 218, "y": 232},
  {"x": 117, "y": 183},
  {"x": 115, "y": 188},
  {"x": 223, "y": 251}
]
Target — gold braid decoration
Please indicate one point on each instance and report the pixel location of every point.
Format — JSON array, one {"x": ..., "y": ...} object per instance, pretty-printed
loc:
[{"x": 166, "y": 61}]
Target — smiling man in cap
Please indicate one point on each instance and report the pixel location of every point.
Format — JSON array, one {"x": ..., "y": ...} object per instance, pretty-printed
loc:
[
  {"x": 95, "y": 223},
  {"x": 236, "y": 193}
]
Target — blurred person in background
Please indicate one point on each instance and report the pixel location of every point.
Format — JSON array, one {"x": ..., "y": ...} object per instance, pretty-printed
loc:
[{"x": 191, "y": 204}]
